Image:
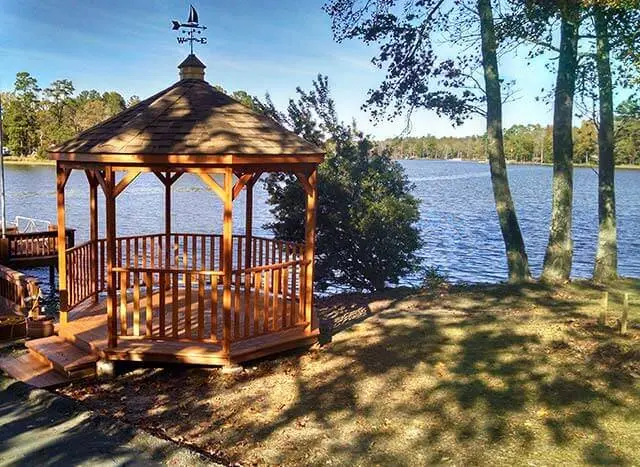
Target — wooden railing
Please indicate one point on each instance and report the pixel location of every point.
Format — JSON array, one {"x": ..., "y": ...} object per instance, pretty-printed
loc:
[
  {"x": 36, "y": 244},
  {"x": 187, "y": 304},
  {"x": 83, "y": 280},
  {"x": 267, "y": 299},
  {"x": 18, "y": 292},
  {"x": 176, "y": 292},
  {"x": 169, "y": 303}
]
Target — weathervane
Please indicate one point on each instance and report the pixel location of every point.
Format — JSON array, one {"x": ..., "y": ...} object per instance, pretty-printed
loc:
[{"x": 190, "y": 28}]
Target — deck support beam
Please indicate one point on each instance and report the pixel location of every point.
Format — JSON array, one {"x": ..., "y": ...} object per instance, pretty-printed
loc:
[
  {"x": 227, "y": 263},
  {"x": 311, "y": 189},
  {"x": 62, "y": 175},
  {"x": 110, "y": 211}
]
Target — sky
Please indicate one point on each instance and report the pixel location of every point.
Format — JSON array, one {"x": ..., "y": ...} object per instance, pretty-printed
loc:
[{"x": 254, "y": 45}]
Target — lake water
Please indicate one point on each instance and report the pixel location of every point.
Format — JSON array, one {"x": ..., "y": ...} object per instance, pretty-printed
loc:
[{"x": 458, "y": 222}]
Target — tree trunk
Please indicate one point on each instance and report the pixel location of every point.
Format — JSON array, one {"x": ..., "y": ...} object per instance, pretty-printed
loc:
[
  {"x": 517, "y": 260},
  {"x": 606, "y": 264},
  {"x": 558, "y": 257}
]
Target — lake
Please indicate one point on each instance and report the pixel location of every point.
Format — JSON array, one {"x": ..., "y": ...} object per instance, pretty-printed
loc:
[{"x": 458, "y": 222}]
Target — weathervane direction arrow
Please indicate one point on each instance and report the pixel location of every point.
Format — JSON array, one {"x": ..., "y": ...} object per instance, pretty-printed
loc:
[{"x": 188, "y": 30}]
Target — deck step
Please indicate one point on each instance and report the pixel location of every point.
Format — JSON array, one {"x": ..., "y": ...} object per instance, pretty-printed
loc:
[
  {"x": 64, "y": 357},
  {"x": 31, "y": 370}
]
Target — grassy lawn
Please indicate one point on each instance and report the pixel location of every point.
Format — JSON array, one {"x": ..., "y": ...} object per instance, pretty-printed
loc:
[{"x": 480, "y": 375}]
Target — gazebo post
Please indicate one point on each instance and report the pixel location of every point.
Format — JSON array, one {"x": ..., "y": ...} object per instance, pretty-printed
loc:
[
  {"x": 62, "y": 175},
  {"x": 93, "y": 221},
  {"x": 227, "y": 260},
  {"x": 167, "y": 218},
  {"x": 309, "y": 248},
  {"x": 248, "y": 225},
  {"x": 110, "y": 211}
]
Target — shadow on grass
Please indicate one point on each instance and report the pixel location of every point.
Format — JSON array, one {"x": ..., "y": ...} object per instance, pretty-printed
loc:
[{"x": 489, "y": 374}]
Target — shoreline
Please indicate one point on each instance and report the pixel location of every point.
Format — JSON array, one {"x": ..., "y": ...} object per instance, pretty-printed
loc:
[
  {"x": 535, "y": 164},
  {"x": 27, "y": 161},
  {"x": 45, "y": 162}
]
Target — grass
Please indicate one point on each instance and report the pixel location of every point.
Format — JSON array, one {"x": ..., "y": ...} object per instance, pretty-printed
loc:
[{"x": 476, "y": 375}]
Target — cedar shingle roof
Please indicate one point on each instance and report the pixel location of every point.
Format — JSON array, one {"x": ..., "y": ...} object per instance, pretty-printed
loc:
[{"x": 188, "y": 118}]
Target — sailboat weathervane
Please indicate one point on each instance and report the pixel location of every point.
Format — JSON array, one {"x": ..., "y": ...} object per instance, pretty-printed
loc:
[{"x": 188, "y": 30}]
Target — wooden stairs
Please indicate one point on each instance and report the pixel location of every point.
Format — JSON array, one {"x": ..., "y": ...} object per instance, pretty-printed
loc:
[{"x": 51, "y": 361}]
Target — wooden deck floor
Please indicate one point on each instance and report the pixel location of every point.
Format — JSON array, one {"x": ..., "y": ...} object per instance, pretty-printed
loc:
[{"x": 87, "y": 329}]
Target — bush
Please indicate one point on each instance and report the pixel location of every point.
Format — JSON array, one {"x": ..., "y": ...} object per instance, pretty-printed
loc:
[
  {"x": 366, "y": 234},
  {"x": 434, "y": 279}
]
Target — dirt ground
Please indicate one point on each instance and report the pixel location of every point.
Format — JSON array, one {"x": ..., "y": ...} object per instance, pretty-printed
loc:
[{"x": 491, "y": 375}]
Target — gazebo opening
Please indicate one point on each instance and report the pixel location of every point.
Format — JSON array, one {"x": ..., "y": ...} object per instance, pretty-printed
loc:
[{"x": 214, "y": 299}]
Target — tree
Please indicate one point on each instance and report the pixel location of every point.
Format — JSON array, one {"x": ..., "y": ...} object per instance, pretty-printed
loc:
[
  {"x": 585, "y": 142},
  {"x": 114, "y": 103},
  {"x": 627, "y": 148},
  {"x": 20, "y": 119},
  {"x": 133, "y": 100},
  {"x": 516, "y": 255},
  {"x": 534, "y": 22},
  {"x": 616, "y": 23},
  {"x": 559, "y": 254},
  {"x": 418, "y": 76},
  {"x": 56, "y": 114},
  {"x": 366, "y": 234}
]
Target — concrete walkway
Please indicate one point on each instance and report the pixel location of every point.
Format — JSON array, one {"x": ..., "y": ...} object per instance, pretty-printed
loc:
[{"x": 40, "y": 428}]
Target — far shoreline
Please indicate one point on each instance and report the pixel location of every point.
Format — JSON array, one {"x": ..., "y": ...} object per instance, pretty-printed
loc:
[
  {"x": 28, "y": 161},
  {"x": 534, "y": 164},
  {"x": 46, "y": 162}
]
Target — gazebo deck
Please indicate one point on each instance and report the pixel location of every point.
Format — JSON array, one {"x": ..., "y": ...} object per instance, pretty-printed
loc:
[
  {"x": 169, "y": 299},
  {"x": 88, "y": 330}
]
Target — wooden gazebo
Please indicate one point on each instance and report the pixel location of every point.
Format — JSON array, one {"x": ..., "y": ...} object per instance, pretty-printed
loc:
[{"x": 214, "y": 299}]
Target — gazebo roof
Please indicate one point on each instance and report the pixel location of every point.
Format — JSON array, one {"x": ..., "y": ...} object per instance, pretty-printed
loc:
[{"x": 190, "y": 122}]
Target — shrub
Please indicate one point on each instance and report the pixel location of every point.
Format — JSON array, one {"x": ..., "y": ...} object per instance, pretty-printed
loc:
[{"x": 366, "y": 234}]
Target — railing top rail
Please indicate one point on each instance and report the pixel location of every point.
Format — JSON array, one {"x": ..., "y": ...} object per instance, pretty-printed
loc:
[
  {"x": 208, "y": 272},
  {"x": 81, "y": 245},
  {"x": 268, "y": 267},
  {"x": 169, "y": 271},
  {"x": 42, "y": 234},
  {"x": 133, "y": 237},
  {"x": 16, "y": 277}
]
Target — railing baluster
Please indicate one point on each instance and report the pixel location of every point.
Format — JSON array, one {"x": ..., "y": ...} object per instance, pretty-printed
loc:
[
  {"x": 187, "y": 305},
  {"x": 201, "y": 285},
  {"x": 266, "y": 301},
  {"x": 236, "y": 307},
  {"x": 285, "y": 295},
  {"x": 277, "y": 298},
  {"x": 124, "y": 331},
  {"x": 148, "y": 315},
  {"x": 214, "y": 307},
  {"x": 247, "y": 296},
  {"x": 136, "y": 303},
  {"x": 257, "y": 280},
  {"x": 162, "y": 290},
  {"x": 174, "y": 304}
]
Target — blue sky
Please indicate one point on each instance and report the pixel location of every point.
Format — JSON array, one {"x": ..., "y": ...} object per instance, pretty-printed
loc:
[{"x": 257, "y": 46}]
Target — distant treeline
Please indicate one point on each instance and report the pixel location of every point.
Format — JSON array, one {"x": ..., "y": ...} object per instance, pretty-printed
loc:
[
  {"x": 34, "y": 118},
  {"x": 528, "y": 143}
]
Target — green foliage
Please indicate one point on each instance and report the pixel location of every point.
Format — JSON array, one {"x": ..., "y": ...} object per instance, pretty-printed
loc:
[
  {"x": 527, "y": 143},
  {"x": 628, "y": 132},
  {"x": 434, "y": 279},
  {"x": 34, "y": 119},
  {"x": 366, "y": 234},
  {"x": 418, "y": 74},
  {"x": 20, "y": 115}
]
